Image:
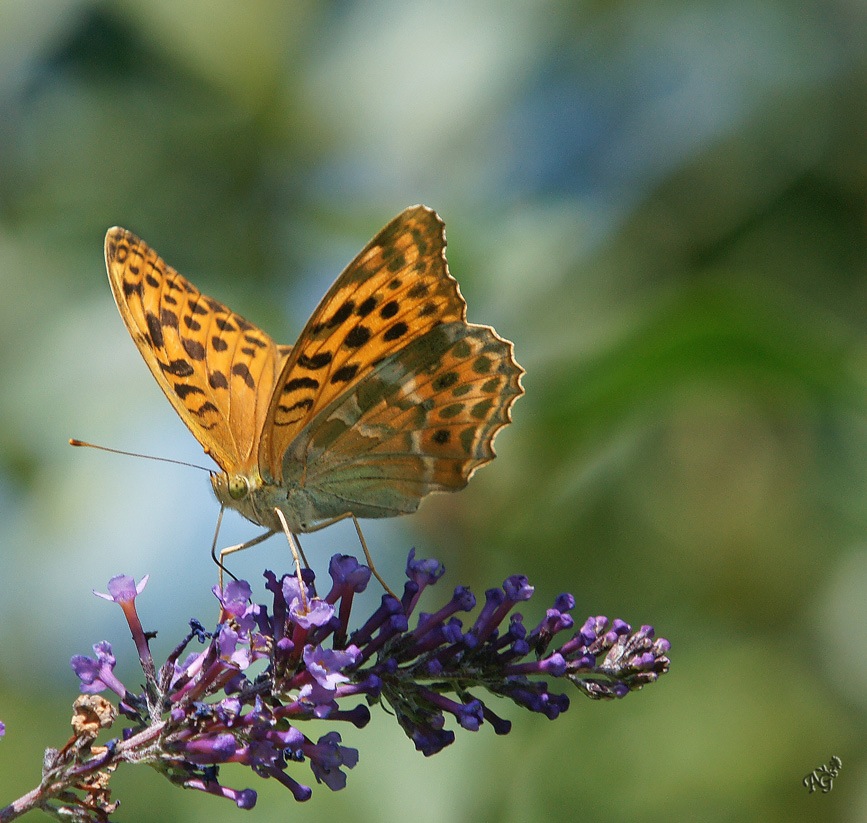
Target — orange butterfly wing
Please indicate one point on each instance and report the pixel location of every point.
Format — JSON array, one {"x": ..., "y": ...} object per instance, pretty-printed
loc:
[
  {"x": 396, "y": 289},
  {"x": 217, "y": 369}
]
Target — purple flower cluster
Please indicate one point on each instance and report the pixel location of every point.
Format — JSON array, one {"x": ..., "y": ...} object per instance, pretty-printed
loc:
[{"x": 212, "y": 708}]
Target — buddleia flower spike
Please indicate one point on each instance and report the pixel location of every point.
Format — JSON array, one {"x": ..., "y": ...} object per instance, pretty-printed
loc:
[{"x": 271, "y": 684}]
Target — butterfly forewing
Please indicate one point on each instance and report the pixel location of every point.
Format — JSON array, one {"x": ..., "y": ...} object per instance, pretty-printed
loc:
[
  {"x": 396, "y": 290},
  {"x": 217, "y": 369}
]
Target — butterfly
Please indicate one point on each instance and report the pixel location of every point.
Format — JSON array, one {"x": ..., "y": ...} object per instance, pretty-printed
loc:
[{"x": 389, "y": 393}]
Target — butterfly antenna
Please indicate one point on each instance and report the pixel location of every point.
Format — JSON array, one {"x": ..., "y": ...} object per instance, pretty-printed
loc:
[{"x": 74, "y": 442}]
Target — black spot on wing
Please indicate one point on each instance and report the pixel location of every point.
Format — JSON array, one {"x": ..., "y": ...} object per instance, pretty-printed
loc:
[
  {"x": 193, "y": 348},
  {"x": 300, "y": 383},
  {"x": 396, "y": 331},
  {"x": 389, "y": 309},
  {"x": 241, "y": 370},
  {"x": 357, "y": 337},
  {"x": 444, "y": 381},
  {"x": 255, "y": 341},
  {"x": 452, "y": 410},
  {"x": 301, "y": 404},
  {"x": 427, "y": 309},
  {"x": 177, "y": 368},
  {"x": 184, "y": 390},
  {"x": 342, "y": 314},
  {"x": 482, "y": 365},
  {"x": 205, "y": 408},
  {"x": 345, "y": 373},
  {"x": 130, "y": 289},
  {"x": 480, "y": 410},
  {"x": 217, "y": 380},
  {"x": 366, "y": 307},
  {"x": 317, "y": 361},
  {"x": 155, "y": 330}
]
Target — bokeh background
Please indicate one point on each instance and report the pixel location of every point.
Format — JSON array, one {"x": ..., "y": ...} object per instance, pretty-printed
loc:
[{"x": 662, "y": 205}]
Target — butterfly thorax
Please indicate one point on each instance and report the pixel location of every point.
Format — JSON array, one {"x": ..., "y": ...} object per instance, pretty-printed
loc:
[{"x": 255, "y": 498}]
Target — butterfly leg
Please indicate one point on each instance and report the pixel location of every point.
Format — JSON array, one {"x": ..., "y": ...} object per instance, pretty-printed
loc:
[
  {"x": 297, "y": 553},
  {"x": 231, "y": 549},
  {"x": 361, "y": 540}
]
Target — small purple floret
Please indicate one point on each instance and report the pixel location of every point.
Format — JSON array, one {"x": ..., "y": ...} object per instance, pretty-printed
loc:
[
  {"x": 423, "y": 572},
  {"x": 345, "y": 570},
  {"x": 518, "y": 588},
  {"x": 123, "y": 588},
  {"x": 564, "y": 602},
  {"x": 327, "y": 758},
  {"x": 317, "y": 613},
  {"x": 326, "y": 665},
  {"x": 97, "y": 674}
]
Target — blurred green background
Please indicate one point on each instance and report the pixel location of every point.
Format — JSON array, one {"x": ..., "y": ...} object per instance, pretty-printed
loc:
[{"x": 662, "y": 205}]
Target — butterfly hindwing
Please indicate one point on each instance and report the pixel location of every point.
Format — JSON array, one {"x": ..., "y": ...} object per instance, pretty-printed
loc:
[
  {"x": 422, "y": 420},
  {"x": 217, "y": 369},
  {"x": 396, "y": 290}
]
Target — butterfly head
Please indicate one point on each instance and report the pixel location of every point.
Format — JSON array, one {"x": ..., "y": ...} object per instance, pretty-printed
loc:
[
  {"x": 234, "y": 491},
  {"x": 230, "y": 489}
]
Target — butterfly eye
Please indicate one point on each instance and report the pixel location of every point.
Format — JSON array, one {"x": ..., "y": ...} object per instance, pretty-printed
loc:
[{"x": 238, "y": 487}]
